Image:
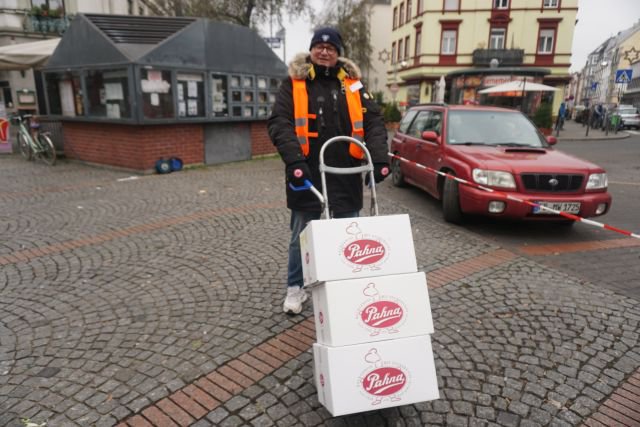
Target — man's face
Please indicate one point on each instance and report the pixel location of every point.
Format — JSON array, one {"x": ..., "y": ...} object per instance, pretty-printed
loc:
[{"x": 324, "y": 54}]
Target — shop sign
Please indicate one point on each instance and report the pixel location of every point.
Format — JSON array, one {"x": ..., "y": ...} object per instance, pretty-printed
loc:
[{"x": 498, "y": 80}]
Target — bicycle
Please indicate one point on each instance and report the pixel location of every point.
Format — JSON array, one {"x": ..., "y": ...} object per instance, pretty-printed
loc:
[{"x": 34, "y": 144}]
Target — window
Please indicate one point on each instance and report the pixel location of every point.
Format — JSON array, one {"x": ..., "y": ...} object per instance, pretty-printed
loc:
[
  {"x": 47, "y": 4},
  {"x": 550, "y": 3},
  {"x": 496, "y": 38},
  {"x": 64, "y": 91},
  {"x": 243, "y": 95},
  {"x": 219, "y": 97},
  {"x": 419, "y": 7},
  {"x": 406, "y": 47},
  {"x": 451, "y": 4},
  {"x": 401, "y": 17},
  {"x": 157, "y": 97},
  {"x": 408, "y": 11},
  {"x": 406, "y": 120},
  {"x": 395, "y": 17},
  {"x": 415, "y": 130},
  {"x": 500, "y": 4},
  {"x": 426, "y": 120},
  {"x": 190, "y": 92},
  {"x": 400, "y": 50},
  {"x": 393, "y": 52},
  {"x": 108, "y": 93},
  {"x": 448, "y": 42},
  {"x": 545, "y": 42},
  {"x": 418, "y": 40}
]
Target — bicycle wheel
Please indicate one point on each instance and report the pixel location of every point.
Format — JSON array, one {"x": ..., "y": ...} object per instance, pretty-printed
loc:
[
  {"x": 48, "y": 151},
  {"x": 25, "y": 148}
]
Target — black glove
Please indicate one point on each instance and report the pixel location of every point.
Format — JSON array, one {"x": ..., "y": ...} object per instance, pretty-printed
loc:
[
  {"x": 380, "y": 172},
  {"x": 297, "y": 173}
]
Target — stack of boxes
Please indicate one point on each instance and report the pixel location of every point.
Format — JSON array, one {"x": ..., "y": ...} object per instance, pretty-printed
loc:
[{"x": 372, "y": 314}]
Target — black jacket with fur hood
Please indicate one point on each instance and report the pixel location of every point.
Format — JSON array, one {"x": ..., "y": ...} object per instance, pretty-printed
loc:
[{"x": 327, "y": 100}]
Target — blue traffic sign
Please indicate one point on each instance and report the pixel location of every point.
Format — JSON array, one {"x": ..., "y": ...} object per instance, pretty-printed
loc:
[
  {"x": 594, "y": 85},
  {"x": 623, "y": 76}
]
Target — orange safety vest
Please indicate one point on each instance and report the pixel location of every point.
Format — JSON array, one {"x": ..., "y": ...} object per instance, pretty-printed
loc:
[{"x": 302, "y": 116}]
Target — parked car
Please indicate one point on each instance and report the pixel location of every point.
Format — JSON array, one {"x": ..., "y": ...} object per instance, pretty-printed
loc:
[
  {"x": 629, "y": 116},
  {"x": 499, "y": 149}
]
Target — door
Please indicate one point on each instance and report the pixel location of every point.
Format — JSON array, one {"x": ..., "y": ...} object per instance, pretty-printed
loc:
[
  {"x": 428, "y": 153},
  {"x": 226, "y": 142}
]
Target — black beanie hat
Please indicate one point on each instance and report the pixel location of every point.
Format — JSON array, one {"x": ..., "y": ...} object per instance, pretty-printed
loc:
[{"x": 327, "y": 35}]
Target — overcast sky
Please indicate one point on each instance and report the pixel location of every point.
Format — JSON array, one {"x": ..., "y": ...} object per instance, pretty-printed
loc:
[{"x": 597, "y": 20}]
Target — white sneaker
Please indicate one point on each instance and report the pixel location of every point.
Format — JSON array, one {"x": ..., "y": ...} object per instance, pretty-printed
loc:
[{"x": 293, "y": 302}]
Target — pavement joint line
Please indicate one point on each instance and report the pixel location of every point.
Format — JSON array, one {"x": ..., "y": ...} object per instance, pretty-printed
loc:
[
  {"x": 549, "y": 249},
  {"x": 32, "y": 253},
  {"x": 621, "y": 408},
  {"x": 196, "y": 399}
]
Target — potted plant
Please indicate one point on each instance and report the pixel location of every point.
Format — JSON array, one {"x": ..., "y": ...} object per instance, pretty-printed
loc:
[
  {"x": 392, "y": 116},
  {"x": 543, "y": 118}
]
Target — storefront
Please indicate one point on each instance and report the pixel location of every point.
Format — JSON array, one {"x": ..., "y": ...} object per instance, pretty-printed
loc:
[
  {"x": 131, "y": 90},
  {"x": 465, "y": 85}
]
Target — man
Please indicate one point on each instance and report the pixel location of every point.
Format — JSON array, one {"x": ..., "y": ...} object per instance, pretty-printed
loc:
[{"x": 322, "y": 98}]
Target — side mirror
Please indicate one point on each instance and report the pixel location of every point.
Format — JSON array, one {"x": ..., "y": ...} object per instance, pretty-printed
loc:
[
  {"x": 552, "y": 140},
  {"x": 430, "y": 135}
]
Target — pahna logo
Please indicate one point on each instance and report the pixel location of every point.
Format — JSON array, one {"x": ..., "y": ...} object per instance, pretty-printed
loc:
[
  {"x": 380, "y": 313},
  {"x": 363, "y": 251},
  {"x": 384, "y": 380}
]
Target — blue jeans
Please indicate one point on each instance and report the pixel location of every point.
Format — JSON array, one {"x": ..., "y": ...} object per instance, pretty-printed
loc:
[{"x": 299, "y": 220}]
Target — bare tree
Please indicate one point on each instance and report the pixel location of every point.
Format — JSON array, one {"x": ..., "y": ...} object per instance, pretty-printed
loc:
[
  {"x": 241, "y": 12},
  {"x": 352, "y": 18}
]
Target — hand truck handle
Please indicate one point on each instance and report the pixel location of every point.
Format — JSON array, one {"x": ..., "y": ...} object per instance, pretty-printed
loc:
[
  {"x": 368, "y": 167},
  {"x": 309, "y": 186}
]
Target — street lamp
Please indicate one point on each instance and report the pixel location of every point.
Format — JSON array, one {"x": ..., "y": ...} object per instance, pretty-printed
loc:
[{"x": 394, "y": 88}]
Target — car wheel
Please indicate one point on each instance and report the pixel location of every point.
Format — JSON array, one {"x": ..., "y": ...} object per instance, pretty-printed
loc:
[
  {"x": 397, "y": 177},
  {"x": 451, "y": 202}
]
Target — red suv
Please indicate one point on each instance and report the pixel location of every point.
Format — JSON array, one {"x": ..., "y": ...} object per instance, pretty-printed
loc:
[{"x": 496, "y": 148}]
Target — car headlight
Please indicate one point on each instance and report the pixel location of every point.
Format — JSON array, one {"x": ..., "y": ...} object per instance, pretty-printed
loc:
[
  {"x": 597, "y": 181},
  {"x": 494, "y": 178}
]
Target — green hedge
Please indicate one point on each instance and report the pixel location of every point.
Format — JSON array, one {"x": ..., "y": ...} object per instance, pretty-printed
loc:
[{"x": 542, "y": 118}]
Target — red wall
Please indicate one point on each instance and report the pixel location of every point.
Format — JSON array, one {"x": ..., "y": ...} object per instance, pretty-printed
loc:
[
  {"x": 139, "y": 147},
  {"x": 260, "y": 142}
]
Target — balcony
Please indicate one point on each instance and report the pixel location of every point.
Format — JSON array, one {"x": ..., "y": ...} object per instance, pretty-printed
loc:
[
  {"x": 505, "y": 57},
  {"x": 46, "y": 24}
]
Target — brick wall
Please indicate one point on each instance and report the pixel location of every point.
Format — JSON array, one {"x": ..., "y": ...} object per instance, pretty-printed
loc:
[
  {"x": 139, "y": 147},
  {"x": 260, "y": 141},
  {"x": 133, "y": 147}
]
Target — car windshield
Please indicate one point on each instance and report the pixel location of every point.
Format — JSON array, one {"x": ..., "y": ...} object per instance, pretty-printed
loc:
[
  {"x": 478, "y": 127},
  {"x": 628, "y": 111}
]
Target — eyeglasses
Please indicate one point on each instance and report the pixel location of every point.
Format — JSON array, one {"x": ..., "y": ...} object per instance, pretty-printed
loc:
[{"x": 331, "y": 50}]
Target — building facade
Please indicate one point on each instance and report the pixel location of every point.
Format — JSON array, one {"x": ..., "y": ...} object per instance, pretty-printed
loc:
[
  {"x": 23, "y": 21},
  {"x": 620, "y": 52},
  {"x": 380, "y": 35},
  {"x": 479, "y": 43}
]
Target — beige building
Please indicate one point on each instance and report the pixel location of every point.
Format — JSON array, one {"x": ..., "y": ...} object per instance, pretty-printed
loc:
[
  {"x": 476, "y": 44},
  {"x": 380, "y": 35}
]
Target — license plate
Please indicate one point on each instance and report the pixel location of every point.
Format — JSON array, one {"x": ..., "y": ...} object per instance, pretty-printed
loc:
[{"x": 568, "y": 207}]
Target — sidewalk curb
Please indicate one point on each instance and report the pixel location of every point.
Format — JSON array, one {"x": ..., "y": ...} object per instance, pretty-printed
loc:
[{"x": 597, "y": 138}]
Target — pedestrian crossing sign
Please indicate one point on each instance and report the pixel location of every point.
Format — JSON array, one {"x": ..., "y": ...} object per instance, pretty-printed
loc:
[{"x": 623, "y": 76}]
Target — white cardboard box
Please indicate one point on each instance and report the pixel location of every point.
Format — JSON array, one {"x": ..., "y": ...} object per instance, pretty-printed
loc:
[
  {"x": 349, "y": 248},
  {"x": 371, "y": 376},
  {"x": 371, "y": 309}
]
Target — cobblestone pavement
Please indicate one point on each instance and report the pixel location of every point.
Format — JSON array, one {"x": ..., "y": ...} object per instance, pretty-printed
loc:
[{"x": 157, "y": 301}]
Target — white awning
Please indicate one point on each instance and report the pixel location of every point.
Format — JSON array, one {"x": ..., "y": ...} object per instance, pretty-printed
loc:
[
  {"x": 26, "y": 55},
  {"x": 519, "y": 86}
]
